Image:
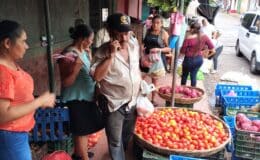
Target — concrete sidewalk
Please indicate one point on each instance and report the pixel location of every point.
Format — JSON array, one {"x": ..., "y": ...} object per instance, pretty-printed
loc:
[{"x": 101, "y": 149}]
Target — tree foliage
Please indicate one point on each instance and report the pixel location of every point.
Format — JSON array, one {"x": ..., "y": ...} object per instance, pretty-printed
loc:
[{"x": 167, "y": 5}]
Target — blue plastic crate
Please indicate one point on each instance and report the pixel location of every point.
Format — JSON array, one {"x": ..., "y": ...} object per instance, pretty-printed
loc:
[
  {"x": 228, "y": 87},
  {"x": 177, "y": 157},
  {"x": 237, "y": 103},
  {"x": 239, "y": 93},
  {"x": 230, "y": 121},
  {"x": 51, "y": 125}
]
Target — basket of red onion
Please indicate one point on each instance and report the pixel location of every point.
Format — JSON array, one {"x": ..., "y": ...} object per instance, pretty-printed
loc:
[{"x": 183, "y": 94}]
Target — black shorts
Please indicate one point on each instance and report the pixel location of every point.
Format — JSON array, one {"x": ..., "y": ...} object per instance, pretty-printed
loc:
[{"x": 85, "y": 117}]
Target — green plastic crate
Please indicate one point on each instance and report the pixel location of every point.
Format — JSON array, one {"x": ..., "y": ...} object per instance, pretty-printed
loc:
[
  {"x": 246, "y": 145},
  {"x": 233, "y": 111},
  {"x": 147, "y": 155},
  {"x": 65, "y": 145}
]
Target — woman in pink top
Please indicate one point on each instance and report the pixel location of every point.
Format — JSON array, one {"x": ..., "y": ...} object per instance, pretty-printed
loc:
[
  {"x": 192, "y": 48},
  {"x": 17, "y": 103}
]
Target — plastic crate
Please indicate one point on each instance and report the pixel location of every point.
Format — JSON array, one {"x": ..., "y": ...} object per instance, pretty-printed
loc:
[
  {"x": 246, "y": 146},
  {"x": 176, "y": 157},
  {"x": 239, "y": 93},
  {"x": 228, "y": 87},
  {"x": 52, "y": 124},
  {"x": 230, "y": 121},
  {"x": 237, "y": 103},
  {"x": 217, "y": 156},
  {"x": 65, "y": 145},
  {"x": 147, "y": 155}
]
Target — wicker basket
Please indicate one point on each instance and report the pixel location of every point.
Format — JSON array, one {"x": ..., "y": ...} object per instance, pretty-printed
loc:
[
  {"x": 195, "y": 153},
  {"x": 179, "y": 99}
]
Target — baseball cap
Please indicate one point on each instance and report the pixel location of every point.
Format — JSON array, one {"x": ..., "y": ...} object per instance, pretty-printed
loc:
[{"x": 119, "y": 22}]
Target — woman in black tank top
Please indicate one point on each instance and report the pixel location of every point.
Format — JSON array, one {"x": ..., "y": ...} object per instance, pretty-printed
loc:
[{"x": 156, "y": 40}]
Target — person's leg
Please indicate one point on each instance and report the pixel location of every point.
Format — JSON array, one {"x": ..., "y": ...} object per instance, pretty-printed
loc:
[
  {"x": 128, "y": 126},
  {"x": 81, "y": 146},
  {"x": 197, "y": 62},
  {"x": 215, "y": 57},
  {"x": 185, "y": 71},
  {"x": 14, "y": 145},
  {"x": 80, "y": 127},
  {"x": 113, "y": 127}
]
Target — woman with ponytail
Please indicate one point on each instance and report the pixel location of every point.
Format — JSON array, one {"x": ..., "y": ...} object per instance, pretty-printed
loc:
[
  {"x": 192, "y": 48},
  {"x": 78, "y": 89}
]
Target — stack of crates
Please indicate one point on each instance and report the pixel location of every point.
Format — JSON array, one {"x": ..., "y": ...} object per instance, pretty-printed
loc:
[
  {"x": 247, "y": 146},
  {"x": 244, "y": 97},
  {"x": 52, "y": 127}
]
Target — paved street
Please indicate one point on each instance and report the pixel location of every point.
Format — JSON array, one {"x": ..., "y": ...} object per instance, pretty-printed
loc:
[{"x": 228, "y": 24}]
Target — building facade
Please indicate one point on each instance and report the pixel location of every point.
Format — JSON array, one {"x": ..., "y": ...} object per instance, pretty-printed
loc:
[{"x": 62, "y": 16}]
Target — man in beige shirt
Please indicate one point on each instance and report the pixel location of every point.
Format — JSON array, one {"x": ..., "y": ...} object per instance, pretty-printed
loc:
[{"x": 117, "y": 71}]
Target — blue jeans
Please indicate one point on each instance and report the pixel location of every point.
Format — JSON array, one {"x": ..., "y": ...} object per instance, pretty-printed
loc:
[
  {"x": 191, "y": 66},
  {"x": 119, "y": 129},
  {"x": 215, "y": 57},
  {"x": 14, "y": 145}
]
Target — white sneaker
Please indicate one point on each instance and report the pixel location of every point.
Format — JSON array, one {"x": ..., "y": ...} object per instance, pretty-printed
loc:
[{"x": 213, "y": 71}]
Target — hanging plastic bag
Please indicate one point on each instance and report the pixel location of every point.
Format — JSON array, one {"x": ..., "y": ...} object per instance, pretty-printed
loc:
[
  {"x": 157, "y": 69},
  {"x": 144, "y": 107},
  {"x": 147, "y": 88}
]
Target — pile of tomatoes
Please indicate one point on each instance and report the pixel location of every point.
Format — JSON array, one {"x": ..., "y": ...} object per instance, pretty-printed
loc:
[{"x": 181, "y": 129}]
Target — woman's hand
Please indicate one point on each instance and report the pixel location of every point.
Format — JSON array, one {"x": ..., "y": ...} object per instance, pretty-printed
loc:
[{"x": 47, "y": 99}]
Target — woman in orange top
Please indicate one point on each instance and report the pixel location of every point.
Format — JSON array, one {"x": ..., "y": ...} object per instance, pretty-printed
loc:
[{"x": 17, "y": 104}]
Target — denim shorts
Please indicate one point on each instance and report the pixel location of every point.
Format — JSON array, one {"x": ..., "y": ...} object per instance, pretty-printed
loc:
[{"x": 14, "y": 146}]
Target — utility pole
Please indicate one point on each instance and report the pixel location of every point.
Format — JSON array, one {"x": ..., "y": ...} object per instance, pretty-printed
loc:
[
  {"x": 182, "y": 6},
  {"x": 176, "y": 53}
]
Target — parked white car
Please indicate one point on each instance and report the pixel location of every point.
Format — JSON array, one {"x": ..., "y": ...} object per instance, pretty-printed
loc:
[{"x": 248, "y": 42}]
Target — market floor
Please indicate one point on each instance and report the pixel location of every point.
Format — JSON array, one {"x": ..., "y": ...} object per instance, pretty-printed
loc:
[{"x": 101, "y": 149}]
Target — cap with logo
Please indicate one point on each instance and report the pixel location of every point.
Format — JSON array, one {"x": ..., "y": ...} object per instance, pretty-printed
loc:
[{"x": 119, "y": 22}]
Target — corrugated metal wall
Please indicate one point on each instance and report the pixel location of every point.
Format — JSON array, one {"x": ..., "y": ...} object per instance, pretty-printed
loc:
[{"x": 30, "y": 14}]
